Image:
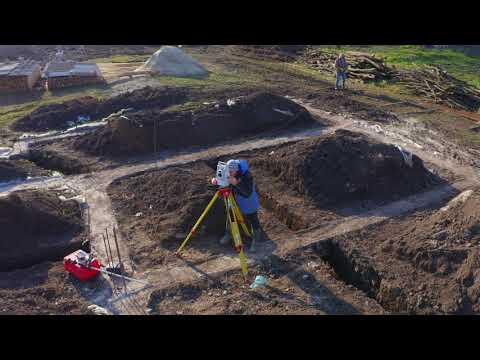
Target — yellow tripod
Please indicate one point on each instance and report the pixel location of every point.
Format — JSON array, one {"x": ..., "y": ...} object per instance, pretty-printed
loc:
[{"x": 234, "y": 218}]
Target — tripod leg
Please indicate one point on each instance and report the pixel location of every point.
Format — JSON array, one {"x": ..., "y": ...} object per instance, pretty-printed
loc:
[
  {"x": 197, "y": 224},
  {"x": 237, "y": 238},
  {"x": 240, "y": 217}
]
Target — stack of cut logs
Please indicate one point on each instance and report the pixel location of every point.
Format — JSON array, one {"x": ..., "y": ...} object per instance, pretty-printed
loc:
[
  {"x": 362, "y": 66},
  {"x": 426, "y": 81},
  {"x": 436, "y": 84}
]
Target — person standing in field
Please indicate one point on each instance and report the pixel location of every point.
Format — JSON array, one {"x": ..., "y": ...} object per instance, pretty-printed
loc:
[{"x": 341, "y": 67}]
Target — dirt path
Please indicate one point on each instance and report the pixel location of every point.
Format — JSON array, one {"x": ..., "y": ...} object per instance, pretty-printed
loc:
[{"x": 93, "y": 186}]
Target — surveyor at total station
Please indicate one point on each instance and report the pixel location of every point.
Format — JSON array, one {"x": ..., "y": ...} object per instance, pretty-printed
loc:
[
  {"x": 341, "y": 67},
  {"x": 247, "y": 199}
]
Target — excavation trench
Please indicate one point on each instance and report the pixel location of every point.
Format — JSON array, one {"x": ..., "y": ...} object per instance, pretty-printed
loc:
[
  {"x": 52, "y": 160},
  {"x": 350, "y": 267},
  {"x": 358, "y": 270}
]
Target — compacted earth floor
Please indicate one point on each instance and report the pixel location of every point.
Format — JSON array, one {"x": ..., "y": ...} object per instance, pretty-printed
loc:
[
  {"x": 43, "y": 289},
  {"x": 299, "y": 284}
]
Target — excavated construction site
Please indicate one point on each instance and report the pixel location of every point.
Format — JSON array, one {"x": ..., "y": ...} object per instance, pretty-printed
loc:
[
  {"x": 148, "y": 121},
  {"x": 363, "y": 211},
  {"x": 300, "y": 185}
]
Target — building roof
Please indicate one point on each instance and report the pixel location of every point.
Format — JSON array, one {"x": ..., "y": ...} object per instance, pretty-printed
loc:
[
  {"x": 68, "y": 68},
  {"x": 18, "y": 68}
]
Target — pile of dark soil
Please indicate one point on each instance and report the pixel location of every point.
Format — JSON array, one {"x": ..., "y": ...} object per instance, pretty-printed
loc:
[
  {"x": 342, "y": 103},
  {"x": 157, "y": 209},
  {"x": 424, "y": 263},
  {"x": 344, "y": 166},
  {"x": 19, "y": 170},
  {"x": 207, "y": 124},
  {"x": 37, "y": 226},
  {"x": 43, "y": 289},
  {"x": 57, "y": 116}
]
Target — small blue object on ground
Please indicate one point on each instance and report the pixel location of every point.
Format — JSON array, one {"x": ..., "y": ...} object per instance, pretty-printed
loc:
[{"x": 259, "y": 281}]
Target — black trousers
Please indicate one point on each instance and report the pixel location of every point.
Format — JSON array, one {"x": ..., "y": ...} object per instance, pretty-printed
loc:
[{"x": 252, "y": 220}]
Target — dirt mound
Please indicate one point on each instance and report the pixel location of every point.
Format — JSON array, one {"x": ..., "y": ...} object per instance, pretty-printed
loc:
[
  {"x": 58, "y": 116},
  {"x": 19, "y": 169},
  {"x": 44, "y": 289},
  {"x": 345, "y": 166},
  {"x": 172, "y": 61},
  {"x": 157, "y": 209},
  {"x": 437, "y": 243},
  {"x": 37, "y": 226},
  {"x": 206, "y": 124},
  {"x": 424, "y": 263}
]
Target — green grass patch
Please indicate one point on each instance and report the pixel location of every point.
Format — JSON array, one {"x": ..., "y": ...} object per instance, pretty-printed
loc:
[
  {"x": 122, "y": 59},
  {"x": 462, "y": 66},
  {"x": 216, "y": 78}
]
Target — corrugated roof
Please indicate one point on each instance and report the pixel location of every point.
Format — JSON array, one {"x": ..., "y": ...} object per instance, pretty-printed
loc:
[
  {"x": 18, "y": 68},
  {"x": 67, "y": 68}
]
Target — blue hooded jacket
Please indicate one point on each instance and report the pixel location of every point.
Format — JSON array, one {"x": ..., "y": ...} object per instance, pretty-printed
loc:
[{"x": 245, "y": 193}]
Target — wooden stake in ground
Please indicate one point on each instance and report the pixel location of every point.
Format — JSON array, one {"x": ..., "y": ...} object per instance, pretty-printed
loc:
[
  {"x": 119, "y": 258},
  {"x": 109, "y": 248},
  {"x": 109, "y": 260}
]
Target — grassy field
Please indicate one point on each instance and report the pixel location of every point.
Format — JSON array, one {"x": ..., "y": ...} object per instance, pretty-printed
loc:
[
  {"x": 121, "y": 59},
  {"x": 460, "y": 65}
]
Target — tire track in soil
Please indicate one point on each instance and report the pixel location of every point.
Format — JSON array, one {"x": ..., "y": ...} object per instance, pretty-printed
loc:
[{"x": 93, "y": 186}]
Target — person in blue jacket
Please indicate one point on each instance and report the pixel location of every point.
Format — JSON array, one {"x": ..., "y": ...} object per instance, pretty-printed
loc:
[{"x": 247, "y": 199}]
